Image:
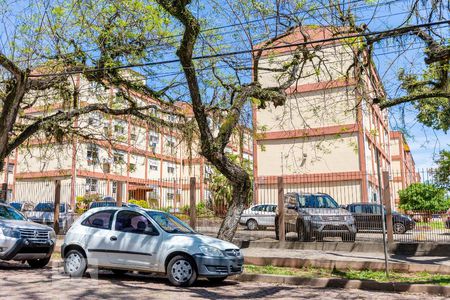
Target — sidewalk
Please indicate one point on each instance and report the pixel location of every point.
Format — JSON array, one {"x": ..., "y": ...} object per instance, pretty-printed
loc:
[{"x": 345, "y": 260}]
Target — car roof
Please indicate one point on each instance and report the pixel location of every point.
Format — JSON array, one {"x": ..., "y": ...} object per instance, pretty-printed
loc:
[
  {"x": 138, "y": 209},
  {"x": 302, "y": 193}
]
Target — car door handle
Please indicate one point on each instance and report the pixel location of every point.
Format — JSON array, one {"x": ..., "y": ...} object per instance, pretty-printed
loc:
[{"x": 113, "y": 238}]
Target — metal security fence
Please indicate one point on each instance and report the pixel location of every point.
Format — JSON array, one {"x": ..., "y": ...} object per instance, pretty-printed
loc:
[{"x": 316, "y": 207}]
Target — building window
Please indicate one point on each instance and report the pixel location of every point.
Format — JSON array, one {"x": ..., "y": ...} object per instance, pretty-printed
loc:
[
  {"x": 132, "y": 167},
  {"x": 170, "y": 169},
  {"x": 170, "y": 142},
  {"x": 119, "y": 127},
  {"x": 170, "y": 196},
  {"x": 172, "y": 118},
  {"x": 119, "y": 158},
  {"x": 92, "y": 154},
  {"x": 153, "y": 138},
  {"x": 91, "y": 184},
  {"x": 114, "y": 187},
  {"x": 94, "y": 119},
  {"x": 153, "y": 164},
  {"x": 153, "y": 110},
  {"x": 10, "y": 168}
]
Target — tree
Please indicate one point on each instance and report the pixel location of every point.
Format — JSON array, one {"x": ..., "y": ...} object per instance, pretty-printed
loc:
[
  {"x": 424, "y": 197},
  {"x": 220, "y": 188},
  {"x": 442, "y": 172},
  {"x": 55, "y": 44}
]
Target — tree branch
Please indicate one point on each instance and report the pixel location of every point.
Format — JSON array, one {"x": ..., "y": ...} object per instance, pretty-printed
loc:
[{"x": 383, "y": 103}]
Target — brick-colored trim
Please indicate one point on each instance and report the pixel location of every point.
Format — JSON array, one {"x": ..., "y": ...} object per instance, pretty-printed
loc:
[
  {"x": 320, "y": 86},
  {"x": 308, "y": 132},
  {"x": 44, "y": 174},
  {"x": 312, "y": 178}
]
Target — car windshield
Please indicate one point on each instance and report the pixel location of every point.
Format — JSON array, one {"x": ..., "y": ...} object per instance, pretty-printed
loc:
[
  {"x": 170, "y": 223},
  {"x": 10, "y": 213},
  {"x": 16, "y": 205},
  {"x": 49, "y": 207},
  {"x": 317, "y": 201}
]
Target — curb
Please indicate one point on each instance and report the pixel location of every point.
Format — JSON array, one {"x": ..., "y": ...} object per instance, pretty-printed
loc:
[
  {"x": 290, "y": 262},
  {"x": 367, "y": 285},
  {"x": 398, "y": 248}
]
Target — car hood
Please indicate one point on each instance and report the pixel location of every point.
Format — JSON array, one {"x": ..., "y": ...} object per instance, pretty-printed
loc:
[
  {"x": 325, "y": 211},
  {"x": 189, "y": 240},
  {"x": 23, "y": 224}
]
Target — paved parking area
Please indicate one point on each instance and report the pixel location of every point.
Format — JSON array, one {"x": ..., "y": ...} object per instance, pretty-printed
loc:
[{"x": 20, "y": 282}]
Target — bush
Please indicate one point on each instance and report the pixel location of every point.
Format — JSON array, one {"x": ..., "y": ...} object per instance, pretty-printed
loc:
[
  {"x": 424, "y": 197},
  {"x": 83, "y": 202},
  {"x": 141, "y": 203}
]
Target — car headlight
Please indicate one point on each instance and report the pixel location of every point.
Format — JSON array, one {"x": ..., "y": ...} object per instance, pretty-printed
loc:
[
  {"x": 52, "y": 235},
  {"x": 349, "y": 218},
  {"x": 10, "y": 232},
  {"x": 316, "y": 218},
  {"x": 210, "y": 251}
]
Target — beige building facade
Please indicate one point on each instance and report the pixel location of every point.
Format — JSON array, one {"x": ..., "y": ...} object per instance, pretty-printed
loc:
[
  {"x": 327, "y": 136},
  {"x": 403, "y": 166},
  {"x": 121, "y": 157}
]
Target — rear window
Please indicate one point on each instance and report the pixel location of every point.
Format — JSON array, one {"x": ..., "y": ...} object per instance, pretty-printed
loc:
[
  {"x": 103, "y": 204},
  {"x": 101, "y": 220},
  {"x": 49, "y": 207}
]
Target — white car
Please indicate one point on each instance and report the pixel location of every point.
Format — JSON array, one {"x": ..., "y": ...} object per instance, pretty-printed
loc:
[
  {"x": 22, "y": 240},
  {"x": 258, "y": 216},
  {"x": 123, "y": 239}
]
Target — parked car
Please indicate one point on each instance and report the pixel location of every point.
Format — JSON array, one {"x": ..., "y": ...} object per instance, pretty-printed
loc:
[
  {"x": 43, "y": 213},
  {"x": 22, "y": 240},
  {"x": 124, "y": 239},
  {"x": 316, "y": 215},
  {"x": 258, "y": 216},
  {"x": 368, "y": 218},
  {"x": 22, "y": 206}
]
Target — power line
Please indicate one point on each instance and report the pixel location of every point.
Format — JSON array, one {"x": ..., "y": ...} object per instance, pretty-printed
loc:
[
  {"x": 226, "y": 66},
  {"x": 217, "y": 55},
  {"x": 240, "y": 24}
]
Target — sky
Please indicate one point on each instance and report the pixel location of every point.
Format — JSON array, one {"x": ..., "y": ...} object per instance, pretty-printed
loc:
[{"x": 424, "y": 142}]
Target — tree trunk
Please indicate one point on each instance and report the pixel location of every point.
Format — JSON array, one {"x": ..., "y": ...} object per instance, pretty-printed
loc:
[{"x": 241, "y": 191}]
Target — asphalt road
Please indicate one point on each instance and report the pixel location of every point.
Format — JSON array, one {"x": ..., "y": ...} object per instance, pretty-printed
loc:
[{"x": 20, "y": 282}]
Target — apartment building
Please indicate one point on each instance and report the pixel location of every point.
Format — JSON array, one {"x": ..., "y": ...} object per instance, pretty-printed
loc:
[
  {"x": 119, "y": 156},
  {"x": 328, "y": 137},
  {"x": 402, "y": 166}
]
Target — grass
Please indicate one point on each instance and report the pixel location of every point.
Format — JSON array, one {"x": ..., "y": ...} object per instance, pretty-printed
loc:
[
  {"x": 432, "y": 224},
  {"x": 379, "y": 276}
]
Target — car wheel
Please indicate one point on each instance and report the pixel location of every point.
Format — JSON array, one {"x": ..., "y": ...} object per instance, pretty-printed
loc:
[
  {"x": 75, "y": 263},
  {"x": 38, "y": 263},
  {"x": 302, "y": 234},
  {"x": 349, "y": 237},
  {"x": 119, "y": 272},
  {"x": 252, "y": 224},
  {"x": 181, "y": 271},
  {"x": 399, "y": 228},
  {"x": 217, "y": 279}
]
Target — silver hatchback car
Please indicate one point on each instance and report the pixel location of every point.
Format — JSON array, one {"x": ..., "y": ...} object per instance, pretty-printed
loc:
[{"x": 123, "y": 239}]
